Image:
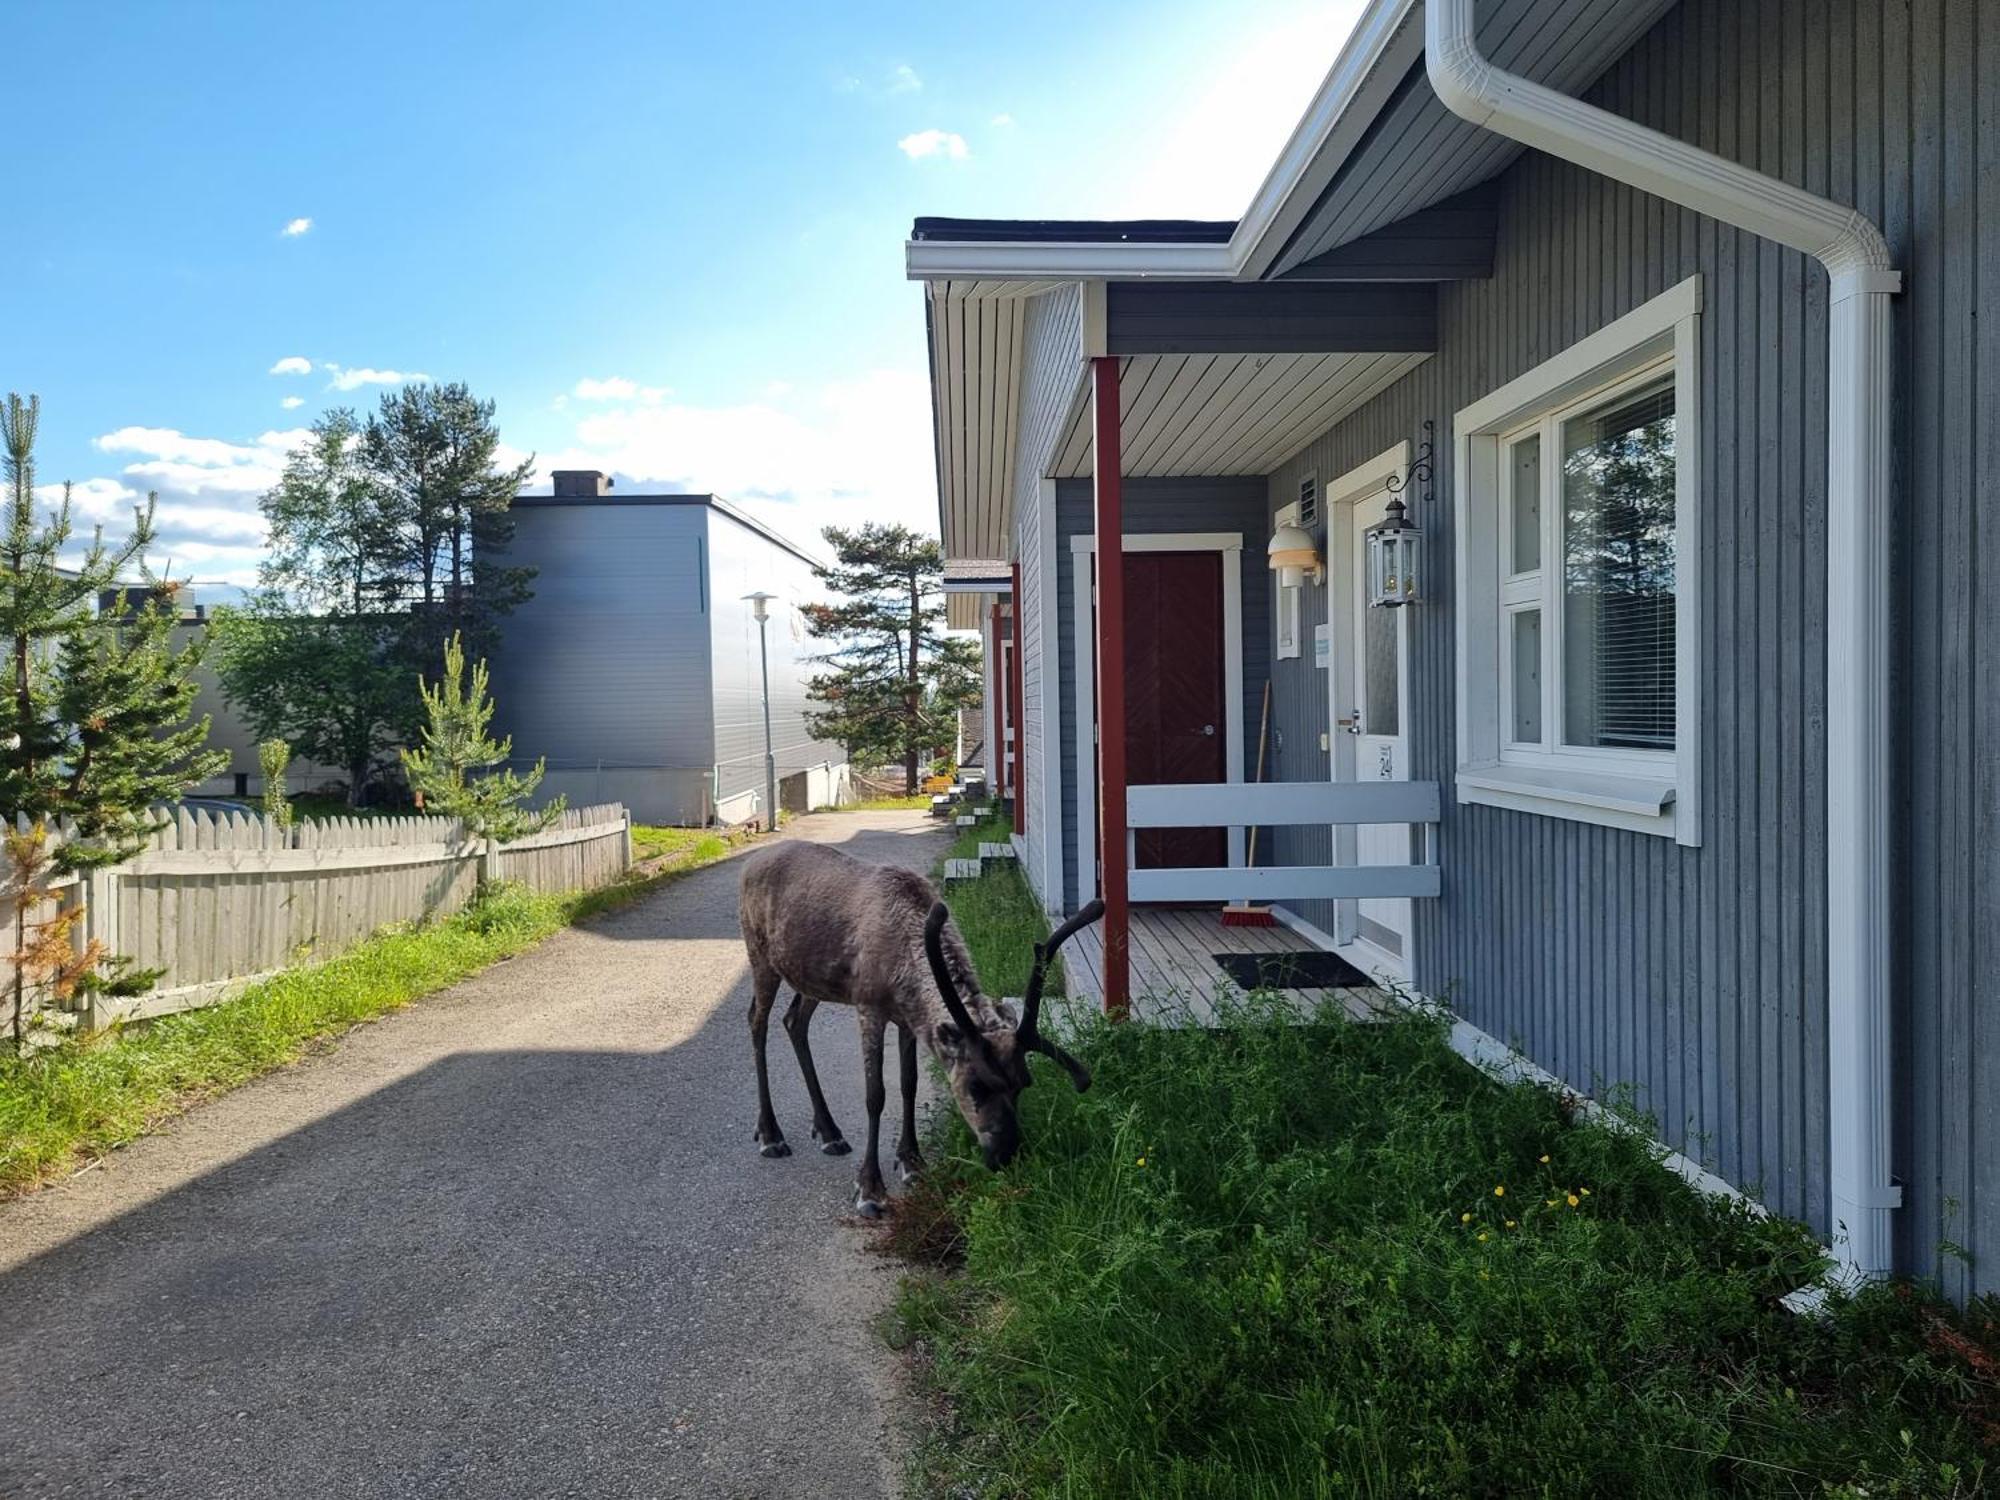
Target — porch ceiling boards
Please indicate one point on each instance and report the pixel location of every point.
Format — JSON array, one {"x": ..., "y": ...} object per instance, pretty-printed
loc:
[
  {"x": 1228, "y": 413},
  {"x": 975, "y": 349},
  {"x": 1416, "y": 153}
]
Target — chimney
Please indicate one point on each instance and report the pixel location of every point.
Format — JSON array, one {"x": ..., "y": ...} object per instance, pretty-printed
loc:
[{"x": 578, "y": 482}]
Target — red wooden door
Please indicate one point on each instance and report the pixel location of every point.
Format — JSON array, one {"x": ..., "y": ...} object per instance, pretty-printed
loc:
[{"x": 1176, "y": 719}]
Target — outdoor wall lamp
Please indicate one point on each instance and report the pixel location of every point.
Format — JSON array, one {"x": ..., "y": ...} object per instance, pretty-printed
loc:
[
  {"x": 1396, "y": 544},
  {"x": 1292, "y": 555}
]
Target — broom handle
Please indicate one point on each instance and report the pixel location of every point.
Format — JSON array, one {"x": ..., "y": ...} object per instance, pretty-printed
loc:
[{"x": 1263, "y": 732}]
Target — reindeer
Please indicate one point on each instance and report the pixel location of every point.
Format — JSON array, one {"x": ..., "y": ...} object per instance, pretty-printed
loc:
[{"x": 844, "y": 932}]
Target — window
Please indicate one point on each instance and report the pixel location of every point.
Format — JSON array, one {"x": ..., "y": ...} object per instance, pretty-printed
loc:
[
  {"x": 1577, "y": 692},
  {"x": 1285, "y": 632}
]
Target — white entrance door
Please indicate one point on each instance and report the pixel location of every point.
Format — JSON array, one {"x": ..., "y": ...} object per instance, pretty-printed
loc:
[{"x": 1377, "y": 645}]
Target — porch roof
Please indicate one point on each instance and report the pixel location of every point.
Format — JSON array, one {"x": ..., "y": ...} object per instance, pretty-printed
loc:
[{"x": 1378, "y": 183}]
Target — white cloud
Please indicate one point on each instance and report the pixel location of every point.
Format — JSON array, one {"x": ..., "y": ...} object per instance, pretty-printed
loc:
[
  {"x": 292, "y": 403},
  {"x": 904, "y": 80},
  {"x": 927, "y": 143},
  {"x": 617, "y": 388},
  {"x": 1002, "y": 120},
  {"x": 296, "y": 227},
  {"x": 345, "y": 379},
  {"x": 207, "y": 519},
  {"x": 292, "y": 364},
  {"x": 839, "y": 455}
]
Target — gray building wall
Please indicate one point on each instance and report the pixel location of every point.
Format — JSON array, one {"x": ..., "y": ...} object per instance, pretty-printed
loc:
[
  {"x": 1152, "y": 506},
  {"x": 1696, "y": 976},
  {"x": 606, "y": 671},
  {"x": 744, "y": 561}
]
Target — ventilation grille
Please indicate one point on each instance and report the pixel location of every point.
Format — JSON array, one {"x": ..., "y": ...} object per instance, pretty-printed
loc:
[{"x": 1309, "y": 502}]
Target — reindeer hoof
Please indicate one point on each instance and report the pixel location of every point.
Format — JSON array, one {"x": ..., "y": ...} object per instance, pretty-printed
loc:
[
  {"x": 774, "y": 1149},
  {"x": 831, "y": 1145},
  {"x": 909, "y": 1168},
  {"x": 867, "y": 1207}
]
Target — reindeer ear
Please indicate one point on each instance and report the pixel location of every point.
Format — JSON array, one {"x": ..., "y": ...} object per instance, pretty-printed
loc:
[{"x": 950, "y": 1040}]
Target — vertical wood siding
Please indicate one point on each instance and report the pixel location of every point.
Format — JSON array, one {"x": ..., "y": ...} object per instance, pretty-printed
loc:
[
  {"x": 1153, "y": 506},
  {"x": 1050, "y": 375},
  {"x": 1696, "y": 977}
]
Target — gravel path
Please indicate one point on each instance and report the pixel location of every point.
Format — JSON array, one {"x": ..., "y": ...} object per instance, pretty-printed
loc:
[{"x": 513, "y": 1241}]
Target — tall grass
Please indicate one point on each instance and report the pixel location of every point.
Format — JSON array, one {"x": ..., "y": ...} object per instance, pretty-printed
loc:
[
  {"x": 998, "y": 915},
  {"x": 1333, "y": 1259}
]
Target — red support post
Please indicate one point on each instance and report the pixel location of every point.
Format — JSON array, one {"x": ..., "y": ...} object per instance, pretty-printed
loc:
[
  {"x": 996, "y": 742},
  {"x": 1020, "y": 739},
  {"x": 1109, "y": 489}
]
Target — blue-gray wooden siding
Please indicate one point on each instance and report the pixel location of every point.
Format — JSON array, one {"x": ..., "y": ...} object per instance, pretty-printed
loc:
[
  {"x": 1697, "y": 976},
  {"x": 1051, "y": 373},
  {"x": 1153, "y": 506}
]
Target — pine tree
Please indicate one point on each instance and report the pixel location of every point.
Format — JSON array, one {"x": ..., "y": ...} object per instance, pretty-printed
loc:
[
  {"x": 452, "y": 770},
  {"x": 95, "y": 730},
  {"x": 274, "y": 758},
  {"x": 899, "y": 680}
]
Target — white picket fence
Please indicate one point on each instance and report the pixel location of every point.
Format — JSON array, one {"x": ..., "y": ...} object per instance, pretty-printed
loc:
[{"x": 218, "y": 901}]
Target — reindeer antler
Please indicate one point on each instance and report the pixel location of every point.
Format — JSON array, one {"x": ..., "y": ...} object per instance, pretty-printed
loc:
[
  {"x": 1031, "y": 1003},
  {"x": 941, "y": 972}
]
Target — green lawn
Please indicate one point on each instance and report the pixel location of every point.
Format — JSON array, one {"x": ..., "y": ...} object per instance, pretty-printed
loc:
[
  {"x": 998, "y": 914},
  {"x": 918, "y": 803},
  {"x": 696, "y": 844},
  {"x": 1332, "y": 1259}
]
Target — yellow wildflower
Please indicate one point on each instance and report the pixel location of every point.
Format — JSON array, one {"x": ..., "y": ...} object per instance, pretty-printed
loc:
[
  {"x": 1584, "y": 1191},
  {"x": 1552, "y": 1203},
  {"x": 1142, "y": 1161},
  {"x": 1574, "y": 1200},
  {"x": 1510, "y": 1223},
  {"x": 1465, "y": 1218},
  {"x": 1500, "y": 1191},
  {"x": 1545, "y": 1158},
  {"x": 1482, "y": 1236}
]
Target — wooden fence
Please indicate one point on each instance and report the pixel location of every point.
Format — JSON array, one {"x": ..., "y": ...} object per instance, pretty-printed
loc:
[{"x": 216, "y": 902}]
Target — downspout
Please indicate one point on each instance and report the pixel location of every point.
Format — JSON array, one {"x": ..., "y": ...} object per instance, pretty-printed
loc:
[{"x": 1862, "y": 1193}]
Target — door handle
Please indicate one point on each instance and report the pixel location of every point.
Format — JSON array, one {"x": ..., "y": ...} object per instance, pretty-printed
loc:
[{"x": 1354, "y": 721}]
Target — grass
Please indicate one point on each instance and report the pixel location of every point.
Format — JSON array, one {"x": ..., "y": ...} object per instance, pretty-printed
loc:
[
  {"x": 998, "y": 915},
  {"x": 65, "y": 1106},
  {"x": 919, "y": 803},
  {"x": 1277, "y": 1259},
  {"x": 697, "y": 844}
]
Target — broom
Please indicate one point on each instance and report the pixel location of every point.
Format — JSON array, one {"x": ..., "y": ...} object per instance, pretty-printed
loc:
[{"x": 1243, "y": 913}]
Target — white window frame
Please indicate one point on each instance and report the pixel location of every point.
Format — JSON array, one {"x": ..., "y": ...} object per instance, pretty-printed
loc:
[
  {"x": 1287, "y": 609},
  {"x": 1655, "y": 792}
]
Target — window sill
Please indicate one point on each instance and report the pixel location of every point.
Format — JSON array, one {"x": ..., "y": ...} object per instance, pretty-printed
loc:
[{"x": 1640, "y": 803}]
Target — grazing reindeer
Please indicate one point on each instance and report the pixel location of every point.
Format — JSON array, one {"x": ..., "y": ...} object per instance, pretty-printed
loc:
[{"x": 842, "y": 932}]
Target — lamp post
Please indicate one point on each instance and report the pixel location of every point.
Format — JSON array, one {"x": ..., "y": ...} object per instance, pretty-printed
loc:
[{"x": 760, "y": 611}]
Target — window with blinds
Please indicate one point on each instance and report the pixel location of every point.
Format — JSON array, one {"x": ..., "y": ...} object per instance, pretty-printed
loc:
[{"x": 1587, "y": 586}]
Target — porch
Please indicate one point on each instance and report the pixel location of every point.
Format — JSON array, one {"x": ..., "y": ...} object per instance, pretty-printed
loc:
[{"x": 1175, "y": 976}]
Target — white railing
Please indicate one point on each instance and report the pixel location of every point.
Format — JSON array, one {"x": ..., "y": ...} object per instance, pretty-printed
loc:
[{"x": 1279, "y": 804}]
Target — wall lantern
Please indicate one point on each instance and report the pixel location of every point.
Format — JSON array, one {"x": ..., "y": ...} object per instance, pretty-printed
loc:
[
  {"x": 1396, "y": 544},
  {"x": 1293, "y": 554}
]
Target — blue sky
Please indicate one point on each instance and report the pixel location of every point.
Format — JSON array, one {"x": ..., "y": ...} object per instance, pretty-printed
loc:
[{"x": 666, "y": 239}]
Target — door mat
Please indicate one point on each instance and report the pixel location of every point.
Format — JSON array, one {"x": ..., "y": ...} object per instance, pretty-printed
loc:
[{"x": 1308, "y": 970}]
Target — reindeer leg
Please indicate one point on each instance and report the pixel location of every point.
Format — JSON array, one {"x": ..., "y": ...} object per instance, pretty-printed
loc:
[
  {"x": 798, "y": 1018},
  {"x": 909, "y": 1160},
  {"x": 869, "y": 1193},
  {"x": 763, "y": 994}
]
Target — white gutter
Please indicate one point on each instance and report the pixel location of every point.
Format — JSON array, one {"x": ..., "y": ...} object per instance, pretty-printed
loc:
[{"x": 1862, "y": 1192}]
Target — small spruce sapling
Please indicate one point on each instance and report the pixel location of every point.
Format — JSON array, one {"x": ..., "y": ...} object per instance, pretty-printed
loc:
[
  {"x": 273, "y": 757},
  {"x": 453, "y": 769}
]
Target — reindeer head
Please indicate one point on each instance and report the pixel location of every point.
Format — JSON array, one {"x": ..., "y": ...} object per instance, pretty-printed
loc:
[{"x": 988, "y": 1064}]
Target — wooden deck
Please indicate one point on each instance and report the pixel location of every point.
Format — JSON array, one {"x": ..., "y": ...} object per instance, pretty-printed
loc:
[{"x": 1175, "y": 979}]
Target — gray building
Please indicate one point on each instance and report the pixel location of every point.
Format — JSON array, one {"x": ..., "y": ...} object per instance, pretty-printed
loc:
[
  {"x": 1663, "y": 319},
  {"x": 633, "y": 671}
]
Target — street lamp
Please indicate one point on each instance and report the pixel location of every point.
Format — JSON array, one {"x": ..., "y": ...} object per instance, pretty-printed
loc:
[{"x": 760, "y": 611}]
